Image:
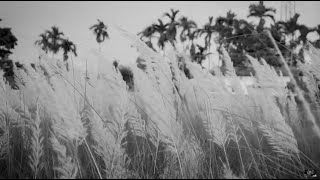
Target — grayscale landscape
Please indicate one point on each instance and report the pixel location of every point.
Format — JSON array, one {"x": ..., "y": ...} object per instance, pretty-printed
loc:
[{"x": 158, "y": 90}]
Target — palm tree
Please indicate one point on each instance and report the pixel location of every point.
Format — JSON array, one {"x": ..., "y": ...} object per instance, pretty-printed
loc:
[
  {"x": 260, "y": 11},
  {"x": 187, "y": 26},
  {"x": 52, "y": 41},
  {"x": 208, "y": 29},
  {"x": 290, "y": 26},
  {"x": 54, "y": 38},
  {"x": 161, "y": 28},
  {"x": 7, "y": 42},
  {"x": 43, "y": 42},
  {"x": 68, "y": 46},
  {"x": 233, "y": 34},
  {"x": 227, "y": 27},
  {"x": 172, "y": 29},
  {"x": 100, "y": 30},
  {"x": 255, "y": 44},
  {"x": 171, "y": 33},
  {"x": 173, "y": 15},
  {"x": 228, "y": 21},
  {"x": 192, "y": 36},
  {"x": 148, "y": 32}
]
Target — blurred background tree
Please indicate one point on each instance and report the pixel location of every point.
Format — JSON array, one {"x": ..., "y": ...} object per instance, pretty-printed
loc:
[{"x": 7, "y": 42}]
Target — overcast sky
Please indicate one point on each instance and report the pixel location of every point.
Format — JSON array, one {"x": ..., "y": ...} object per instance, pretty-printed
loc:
[{"x": 29, "y": 19}]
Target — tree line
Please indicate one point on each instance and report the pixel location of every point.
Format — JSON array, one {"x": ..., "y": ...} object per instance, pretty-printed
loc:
[
  {"x": 51, "y": 41},
  {"x": 238, "y": 36}
]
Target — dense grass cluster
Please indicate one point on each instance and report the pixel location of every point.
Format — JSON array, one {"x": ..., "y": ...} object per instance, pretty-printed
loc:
[{"x": 157, "y": 121}]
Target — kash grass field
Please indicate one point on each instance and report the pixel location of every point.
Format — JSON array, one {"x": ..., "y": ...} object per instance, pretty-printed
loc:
[{"x": 169, "y": 119}]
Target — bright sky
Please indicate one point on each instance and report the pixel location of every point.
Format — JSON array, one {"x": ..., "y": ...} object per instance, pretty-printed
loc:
[{"x": 29, "y": 19}]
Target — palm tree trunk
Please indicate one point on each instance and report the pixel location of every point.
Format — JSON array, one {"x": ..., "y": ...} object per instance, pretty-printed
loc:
[
  {"x": 291, "y": 58},
  {"x": 74, "y": 83},
  {"x": 293, "y": 38},
  {"x": 187, "y": 45},
  {"x": 67, "y": 66},
  {"x": 85, "y": 83},
  {"x": 209, "y": 56}
]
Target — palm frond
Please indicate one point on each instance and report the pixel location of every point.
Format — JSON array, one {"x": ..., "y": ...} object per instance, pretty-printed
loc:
[{"x": 94, "y": 26}]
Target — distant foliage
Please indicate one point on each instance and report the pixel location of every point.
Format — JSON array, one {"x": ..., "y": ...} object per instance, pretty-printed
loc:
[
  {"x": 53, "y": 41},
  {"x": 7, "y": 42},
  {"x": 100, "y": 31},
  {"x": 238, "y": 36}
]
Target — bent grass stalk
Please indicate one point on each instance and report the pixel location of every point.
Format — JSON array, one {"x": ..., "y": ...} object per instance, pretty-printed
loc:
[{"x": 305, "y": 105}]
